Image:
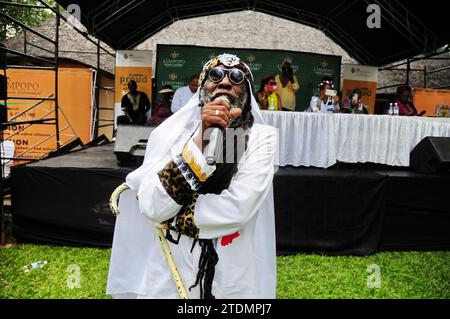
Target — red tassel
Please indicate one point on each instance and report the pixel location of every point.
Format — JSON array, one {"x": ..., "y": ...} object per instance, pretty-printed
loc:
[{"x": 227, "y": 240}]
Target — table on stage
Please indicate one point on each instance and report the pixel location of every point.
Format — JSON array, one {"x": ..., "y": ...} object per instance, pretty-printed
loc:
[{"x": 320, "y": 140}]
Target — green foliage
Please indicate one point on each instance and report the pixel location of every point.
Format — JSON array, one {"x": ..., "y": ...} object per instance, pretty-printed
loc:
[
  {"x": 31, "y": 17},
  {"x": 410, "y": 275},
  {"x": 51, "y": 281},
  {"x": 414, "y": 275}
]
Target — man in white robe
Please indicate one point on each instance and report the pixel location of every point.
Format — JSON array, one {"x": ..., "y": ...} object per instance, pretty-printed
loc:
[{"x": 219, "y": 218}]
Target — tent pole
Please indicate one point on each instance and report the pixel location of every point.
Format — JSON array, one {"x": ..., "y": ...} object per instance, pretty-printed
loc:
[{"x": 408, "y": 70}]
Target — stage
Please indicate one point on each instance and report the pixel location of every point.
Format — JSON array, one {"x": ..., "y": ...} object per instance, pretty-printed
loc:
[{"x": 342, "y": 210}]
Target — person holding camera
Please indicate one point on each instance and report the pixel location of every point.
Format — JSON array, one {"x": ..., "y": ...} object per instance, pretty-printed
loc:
[
  {"x": 287, "y": 84},
  {"x": 327, "y": 101}
]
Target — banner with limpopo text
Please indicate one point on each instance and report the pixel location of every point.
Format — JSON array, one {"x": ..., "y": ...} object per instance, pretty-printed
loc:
[
  {"x": 132, "y": 65},
  {"x": 364, "y": 78},
  {"x": 75, "y": 109},
  {"x": 175, "y": 64},
  {"x": 435, "y": 102}
]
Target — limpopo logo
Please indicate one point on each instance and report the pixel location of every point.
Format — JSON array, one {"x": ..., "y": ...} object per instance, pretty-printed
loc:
[
  {"x": 173, "y": 76},
  {"x": 174, "y": 61},
  {"x": 251, "y": 63},
  {"x": 324, "y": 69},
  {"x": 324, "y": 64},
  {"x": 251, "y": 58}
]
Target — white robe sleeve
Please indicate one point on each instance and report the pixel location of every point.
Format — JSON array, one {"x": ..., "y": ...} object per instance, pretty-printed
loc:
[
  {"x": 222, "y": 215},
  {"x": 154, "y": 202}
]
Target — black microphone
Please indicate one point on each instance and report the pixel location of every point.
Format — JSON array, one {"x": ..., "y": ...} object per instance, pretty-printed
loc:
[{"x": 215, "y": 140}]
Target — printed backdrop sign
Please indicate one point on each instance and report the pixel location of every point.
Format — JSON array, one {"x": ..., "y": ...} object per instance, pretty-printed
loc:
[
  {"x": 75, "y": 102},
  {"x": 177, "y": 63},
  {"x": 132, "y": 65},
  {"x": 361, "y": 77},
  {"x": 435, "y": 102}
]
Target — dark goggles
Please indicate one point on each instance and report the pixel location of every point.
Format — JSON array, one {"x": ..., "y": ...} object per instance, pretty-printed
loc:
[{"x": 236, "y": 76}]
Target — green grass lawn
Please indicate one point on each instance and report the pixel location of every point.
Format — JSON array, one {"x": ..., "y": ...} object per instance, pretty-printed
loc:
[{"x": 403, "y": 275}]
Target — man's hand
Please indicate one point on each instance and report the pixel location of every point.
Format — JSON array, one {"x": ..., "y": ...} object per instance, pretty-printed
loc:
[{"x": 216, "y": 114}]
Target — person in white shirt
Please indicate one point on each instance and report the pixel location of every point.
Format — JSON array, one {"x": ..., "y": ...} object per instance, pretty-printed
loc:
[
  {"x": 184, "y": 94},
  {"x": 324, "y": 103},
  {"x": 218, "y": 219}
]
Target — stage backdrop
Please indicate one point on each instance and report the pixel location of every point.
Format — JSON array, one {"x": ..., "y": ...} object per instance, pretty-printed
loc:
[
  {"x": 75, "y": 101},
  {"x": 132, "y": 65},
  {"x": 432, "y": 101},
  {"x": 176, "y": 63},
  {"x": 361, "y": 77}
]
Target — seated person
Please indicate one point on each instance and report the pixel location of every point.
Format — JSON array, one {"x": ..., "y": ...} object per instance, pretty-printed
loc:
[
  {"x": 135, "y": 104},
  {"x": 162, "y": 111},
  {"x": 405, "y": 104},
  {"x": 324, "y": 103},
  {"x": 268, "y": 98},
  {"x": 353, "y": 104}
]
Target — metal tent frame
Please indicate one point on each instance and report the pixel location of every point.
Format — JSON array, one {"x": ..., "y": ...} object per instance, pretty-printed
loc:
[
  {"x": 426, "y": 72},
  {"x": 53, "y": 65},
  {"x": 123, "y": 25}
]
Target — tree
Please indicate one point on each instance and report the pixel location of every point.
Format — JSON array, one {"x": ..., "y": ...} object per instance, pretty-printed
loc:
[{"x": 31, "y": 17}]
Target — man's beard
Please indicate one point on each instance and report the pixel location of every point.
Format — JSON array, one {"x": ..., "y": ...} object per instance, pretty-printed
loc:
[
  {"x": 225, "y": 170},
  {"x": 245, "y": 120}
]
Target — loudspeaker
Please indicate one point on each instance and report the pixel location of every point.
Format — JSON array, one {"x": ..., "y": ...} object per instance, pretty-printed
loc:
[
  {"x": 131, "y": 143},
  {"x": 3, "y": 88},
  {"x": 432, "y": 155}
]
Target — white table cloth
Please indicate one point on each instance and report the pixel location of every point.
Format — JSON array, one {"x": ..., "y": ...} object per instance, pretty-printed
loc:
[{"x": 320, "y": 140}]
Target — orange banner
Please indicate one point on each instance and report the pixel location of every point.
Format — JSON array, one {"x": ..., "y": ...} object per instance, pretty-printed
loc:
[
  {"x": 75, "y": 97},
  {"x": 434, "y": 102}
]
